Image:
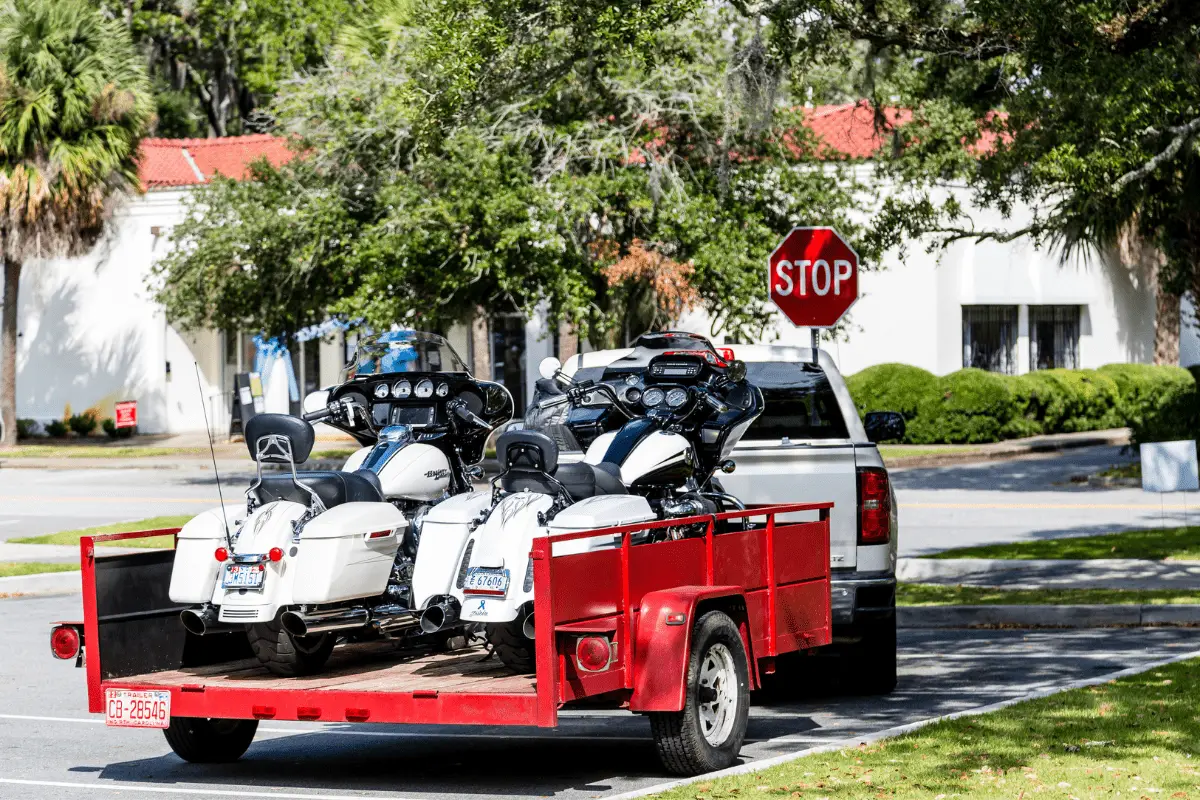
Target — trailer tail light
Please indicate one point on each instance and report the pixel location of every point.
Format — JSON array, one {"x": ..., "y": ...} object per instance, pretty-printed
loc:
[
  {"x": 874, "y": 506},
  {"x": 593, "y": 653},
  {"x": 221, "y": 554},
  {"x": 64, "y": 642}
]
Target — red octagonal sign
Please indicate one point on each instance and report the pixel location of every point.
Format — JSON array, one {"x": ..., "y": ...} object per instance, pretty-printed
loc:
[{"x": 813, "y": 276}]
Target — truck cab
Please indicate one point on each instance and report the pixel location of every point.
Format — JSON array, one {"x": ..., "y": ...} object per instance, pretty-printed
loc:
[{"x": 809, "y": 445}]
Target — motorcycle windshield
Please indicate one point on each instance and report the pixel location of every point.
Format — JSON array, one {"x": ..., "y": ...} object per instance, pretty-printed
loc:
[{"x": 403, "y": 351}]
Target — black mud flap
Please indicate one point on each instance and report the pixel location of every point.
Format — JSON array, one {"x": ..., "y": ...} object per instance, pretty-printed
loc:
[{"x": 139, "y": 626}]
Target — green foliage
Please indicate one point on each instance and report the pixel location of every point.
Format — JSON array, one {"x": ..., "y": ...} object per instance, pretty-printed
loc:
[
  {"x": 892, "y": 387},
  {"x": 113, "y": 432},
  {"x": 215, "y": 61},
  {"x": 56, "y": 429},
  {"x": 968, "y": 407},
  {"x": 82, "y": 424},
  {"x": 972, "y": 406},
  {"x": 26, "y": 428}
]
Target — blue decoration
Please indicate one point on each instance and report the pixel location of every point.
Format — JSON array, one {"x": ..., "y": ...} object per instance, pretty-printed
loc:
[{"x": 266, "y": 351}]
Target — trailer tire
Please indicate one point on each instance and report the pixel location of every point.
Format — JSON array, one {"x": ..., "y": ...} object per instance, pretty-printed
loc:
[
  {"x": 288, "y": 656},
  {"x": 514, "y": 650},
  {"x": 707, "y": 734},
  {"x": 210, "y": 741}
]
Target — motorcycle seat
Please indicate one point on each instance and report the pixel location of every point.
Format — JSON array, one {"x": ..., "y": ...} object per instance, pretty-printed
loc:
[
  {"x": 530, "y": 458},
  {"x": 334, "y": 488}
]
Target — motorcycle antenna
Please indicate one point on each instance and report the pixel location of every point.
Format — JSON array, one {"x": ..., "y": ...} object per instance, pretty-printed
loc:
[{"x": 212, "y": 452}]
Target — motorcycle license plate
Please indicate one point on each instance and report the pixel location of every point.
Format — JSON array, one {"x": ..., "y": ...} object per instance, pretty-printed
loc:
[
  {"x": 243, "y": 576},
  {"x": 126, "y": 708},
  {"x": 486, "y": 581}
]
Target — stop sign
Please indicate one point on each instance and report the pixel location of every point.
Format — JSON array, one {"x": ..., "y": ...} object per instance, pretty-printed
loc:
[{"x": 813, "y": 276}]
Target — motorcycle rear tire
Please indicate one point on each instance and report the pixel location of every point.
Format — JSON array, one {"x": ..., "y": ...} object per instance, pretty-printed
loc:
[
  {"x": 514, "y": 650},
  {"x": 289, "y": 656}
]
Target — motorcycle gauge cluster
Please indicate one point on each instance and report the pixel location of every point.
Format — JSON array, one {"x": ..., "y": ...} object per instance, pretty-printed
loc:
[
  {"x": 381, "y": 391},
  {"x": 677, "y": 397},
  {"x": 424, "y": 389},
  {"x": 401, "y": 390},
  {"x": 653, "y": 397},
  {"x": 443, "y": 389}
]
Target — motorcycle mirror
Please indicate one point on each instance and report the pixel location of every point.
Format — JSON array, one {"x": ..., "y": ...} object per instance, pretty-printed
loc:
[
  {"x": 549, "y": 367},
  {"x": 316, "y": 401},
  {"x": 736, "y": 371}
]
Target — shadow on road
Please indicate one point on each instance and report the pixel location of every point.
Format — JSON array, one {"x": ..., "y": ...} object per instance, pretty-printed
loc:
[{"x": 1051, "y": 473}]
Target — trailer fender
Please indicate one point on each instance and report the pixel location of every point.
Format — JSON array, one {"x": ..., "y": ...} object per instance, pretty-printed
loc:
[{"x": 664, "y": 642}]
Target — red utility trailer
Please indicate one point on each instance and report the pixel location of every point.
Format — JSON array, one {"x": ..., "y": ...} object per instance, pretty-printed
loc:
[{"x": 680, "y": 630}]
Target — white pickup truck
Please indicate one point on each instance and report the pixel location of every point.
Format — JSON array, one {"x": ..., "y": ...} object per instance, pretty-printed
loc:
[{"x": 810, "y": 446}]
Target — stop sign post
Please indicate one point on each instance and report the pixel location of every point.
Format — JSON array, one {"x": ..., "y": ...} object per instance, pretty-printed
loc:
[{"x": 812, "y": 277}]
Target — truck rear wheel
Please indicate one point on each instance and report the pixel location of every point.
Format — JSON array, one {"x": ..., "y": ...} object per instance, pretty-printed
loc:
[
  {"x": 210, "y": 741},
  {"x": 512, "y": 646},
  {"x": 708, "y": 733},
  {"x": 873, "y": 659},
  {"x": 286, "y": 655}
]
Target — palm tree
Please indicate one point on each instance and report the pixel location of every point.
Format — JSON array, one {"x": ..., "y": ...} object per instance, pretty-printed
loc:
[{"x": 74, "y": 101}]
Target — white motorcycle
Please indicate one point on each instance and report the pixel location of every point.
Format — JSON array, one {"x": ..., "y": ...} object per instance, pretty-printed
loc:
[
  {"x": 686, "y": 410},
  {"x": 315, "y": 555}
]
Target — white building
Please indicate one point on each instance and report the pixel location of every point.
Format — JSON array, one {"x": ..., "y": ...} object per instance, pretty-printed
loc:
[{"x": 91, "y": 335}]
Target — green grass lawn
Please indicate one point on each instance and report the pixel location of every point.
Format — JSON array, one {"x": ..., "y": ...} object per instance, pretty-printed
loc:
[
  {"x": 337, "y": 453},
  {"x": 929, "y": 594},
  {"x": 1137, "y": 738},
  {"x": 1158, "y": 543},
  {"x": 10, "y": 568},
  {"x": 1133, "y": 470},
  {"x": 153, "y": 523}
]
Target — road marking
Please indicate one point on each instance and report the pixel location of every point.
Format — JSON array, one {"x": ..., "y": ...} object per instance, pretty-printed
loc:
[
  {"x": 51, "y": 498},
  {"x": 888, "y": 733},
  {"x": 163, "y": 788},
  {"x": 52, "y": 719},
  {"x": 1060, "y": 506}
]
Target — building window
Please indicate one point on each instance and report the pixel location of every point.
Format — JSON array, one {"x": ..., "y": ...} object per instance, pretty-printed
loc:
[
  {"x": 508, "y": 355},
  {"x": 1053, "y": 337},
  {"x": 990, "y": 338}
]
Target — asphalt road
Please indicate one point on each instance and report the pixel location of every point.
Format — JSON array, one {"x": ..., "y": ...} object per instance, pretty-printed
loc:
[
  {"x": 50, "y": 747},
  {"x": 939, "y": 507}
]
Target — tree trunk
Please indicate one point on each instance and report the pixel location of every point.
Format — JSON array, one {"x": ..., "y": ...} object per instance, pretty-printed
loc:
[
  {"x": 8, "y": 352},
  {"x": 481, "y": 345},
  {"x": 1166, "y": 326}
]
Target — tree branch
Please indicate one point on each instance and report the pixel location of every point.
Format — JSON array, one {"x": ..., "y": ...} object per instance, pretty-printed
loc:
[{"x": 1182, "y": 134}]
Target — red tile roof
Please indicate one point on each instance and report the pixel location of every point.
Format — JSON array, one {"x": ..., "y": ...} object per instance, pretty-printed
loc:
[
  {"x": 849, "y": 130},
  {"x": 167, "y": 163}
]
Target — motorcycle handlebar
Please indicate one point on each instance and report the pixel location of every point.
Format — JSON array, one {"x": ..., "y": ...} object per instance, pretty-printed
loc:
[
  {"x": 465, "y": 414},
  {"x": 317, "y": 416}
]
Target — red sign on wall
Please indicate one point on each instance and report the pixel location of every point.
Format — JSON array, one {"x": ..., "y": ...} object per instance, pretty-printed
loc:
[
  {"x": 126, "y": 412},
  {"x": 813, "y": 276}
]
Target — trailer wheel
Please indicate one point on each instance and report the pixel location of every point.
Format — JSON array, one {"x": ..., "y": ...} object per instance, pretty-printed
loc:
[
  {"x": 210, "y": 741},
  {"x": 286, "y": 655},
  {"x": 708, "y": 733},
  {"x": 512, "y": 647}
]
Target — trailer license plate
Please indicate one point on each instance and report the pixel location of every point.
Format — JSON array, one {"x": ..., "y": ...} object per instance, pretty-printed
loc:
[
  {"x": 243, "y": 576},
  {"x": 126, "y": 708},
  {"x": 486, "y": 581}
]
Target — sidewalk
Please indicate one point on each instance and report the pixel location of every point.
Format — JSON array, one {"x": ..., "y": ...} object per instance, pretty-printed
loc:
[
  {"x": 57, "y": 553},
  {"x": 1101, "y": 573},
  {"x": 942, "y": 454}
]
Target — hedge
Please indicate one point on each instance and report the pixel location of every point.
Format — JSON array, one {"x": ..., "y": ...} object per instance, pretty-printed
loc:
[{"x": 973, "y": 406}]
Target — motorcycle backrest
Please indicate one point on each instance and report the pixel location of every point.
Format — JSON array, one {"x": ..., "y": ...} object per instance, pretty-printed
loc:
[
  {"x": 264, "y": 433},
  {"x": 525, "y": 450}
]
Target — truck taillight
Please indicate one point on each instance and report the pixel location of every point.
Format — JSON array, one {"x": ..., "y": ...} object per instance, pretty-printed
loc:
[{"x": 874, "y": 506}]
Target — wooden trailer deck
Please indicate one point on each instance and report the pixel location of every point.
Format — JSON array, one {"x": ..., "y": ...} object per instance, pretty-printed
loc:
[{"x": 367, "y": 667}]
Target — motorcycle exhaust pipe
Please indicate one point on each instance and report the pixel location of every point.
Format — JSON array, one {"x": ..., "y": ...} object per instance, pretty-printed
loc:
[
  {"x": 393, "y": 618},
  {"x": 203, "y": 621},
  {"x": 337, "y": 619},
  {"x": 440, "y": 615}
]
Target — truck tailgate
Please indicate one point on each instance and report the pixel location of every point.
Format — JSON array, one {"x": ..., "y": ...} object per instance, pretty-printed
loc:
[{"x": 770, "y": 473}]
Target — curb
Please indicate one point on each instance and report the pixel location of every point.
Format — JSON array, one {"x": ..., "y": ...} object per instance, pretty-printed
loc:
[
  {"x": 1016, "y": 448},
  {"x": 1079, "y": 616},
  {"x": 900, "y": 730},
  {"x": 41, "y": 585},
  {"x": 1112, "y": 573}
]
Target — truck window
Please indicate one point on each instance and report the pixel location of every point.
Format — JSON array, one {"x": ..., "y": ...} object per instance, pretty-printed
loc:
[{"x": 801, "y": 404}]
